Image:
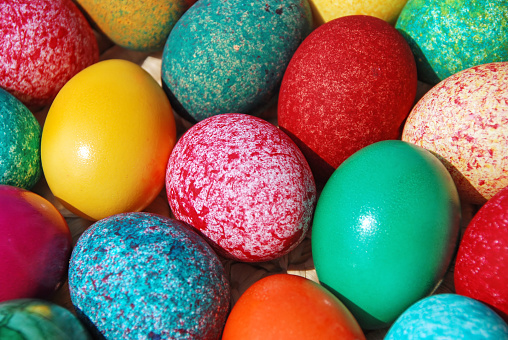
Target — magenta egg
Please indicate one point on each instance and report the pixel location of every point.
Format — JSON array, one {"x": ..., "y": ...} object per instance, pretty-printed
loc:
[
  {"x": 244, "y": 185},
  {"x": 35, "y": 242}
]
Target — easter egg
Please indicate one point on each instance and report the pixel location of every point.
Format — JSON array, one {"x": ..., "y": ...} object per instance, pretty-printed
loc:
[
  {"x": 135, "y": 25},
  {"x": 464, "y": 121},
  {"x": 327, "y": 10},
  {"x": 285, "y": 306},
  {"x": 243, "y": 184},
  {"x": 448, "y": 316},
  {"x": 145, "y": 276},
  {"x": 20, "y": 143},
  {"x": 22, "y": 319},
  {"x": 481, "y": 267},
  {"x": 229, "y": 56},
  {"x": 385, "y": 230},
  {"x": 107, "y": 139},
  {"x": 351, "y": 83},
  {"x": 450, "y": 36},
  {"x": 44, "y": 44},
  {"x": 35, "y": 242}
]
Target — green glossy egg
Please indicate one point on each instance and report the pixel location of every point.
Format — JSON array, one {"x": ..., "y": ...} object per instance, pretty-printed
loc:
[{"x": 385, "y": 230}]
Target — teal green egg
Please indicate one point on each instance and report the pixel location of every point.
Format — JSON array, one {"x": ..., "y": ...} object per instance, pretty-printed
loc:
[
  {"x": 385, "y": 229},
  {"x": 229, "y": 56},
  {"x": 450, "y": 36},
  {"x": 37, "y": 319},
  {"x": 20, "y": 143}
]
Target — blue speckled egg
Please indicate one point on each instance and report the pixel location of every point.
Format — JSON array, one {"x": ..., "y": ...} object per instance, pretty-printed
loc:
[
  {"x": 450, "y": 36},
  {"x": 20, "y": 143},
  {"x": 145, "y": 276},
  {"x": 229, "y": 56},
  {"x": 448, "y": 316}
]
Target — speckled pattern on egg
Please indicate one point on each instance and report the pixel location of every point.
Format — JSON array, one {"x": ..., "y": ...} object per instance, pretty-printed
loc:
[
  {"x": 226, "y": 56},
  {"x": 244, "y": 184},
  {"x": 145, "y": 276},
  {"x": 450, "y": 36},
  {"x": 20, "y": 144}
]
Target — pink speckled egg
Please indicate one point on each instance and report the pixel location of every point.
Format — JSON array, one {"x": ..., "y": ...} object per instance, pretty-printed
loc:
[
  {"x": 243, "y": 184},
  {"x": 43, "y": 43},
  {"x": 464, "y": 121}
]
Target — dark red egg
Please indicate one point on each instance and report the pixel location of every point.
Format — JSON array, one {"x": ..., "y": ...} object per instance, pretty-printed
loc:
[
  {"x": 351, "y": 83},
  {"x": 43, "y": 44},
  {"x": 481, "y": 267}
]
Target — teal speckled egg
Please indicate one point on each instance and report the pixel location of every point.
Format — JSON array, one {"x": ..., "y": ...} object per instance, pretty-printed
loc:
[
  {"x": 385, "y": 230},
  {"x": 229, "y": 56},
  {"x": 450, "y": 36},
  {"x": 20, "y": 143}
]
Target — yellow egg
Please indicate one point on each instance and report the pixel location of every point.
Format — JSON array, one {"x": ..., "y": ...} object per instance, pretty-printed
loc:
[
  {"x": 327, "y": 10},
  {"x": 107, "y": 139}
]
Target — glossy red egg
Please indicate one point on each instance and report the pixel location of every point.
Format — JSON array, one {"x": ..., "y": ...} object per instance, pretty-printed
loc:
[
  {"x": 351, "y": 83},
  {"x": 481, "y": 268},
  {"x": 35, "y": 242}
]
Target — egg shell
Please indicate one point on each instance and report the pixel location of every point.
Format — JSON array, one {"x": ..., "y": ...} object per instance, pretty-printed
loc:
[
  {"x": 351, "y": 83},
  {"x": 135, "y": 25},
  {"x": 243, "y": 184},
  {"x": 141, "y": 275},
  {"x": 39, "y": 319},
  {"x": 36, "y": 245},
  {"x": 481, "y": 267},
  {"x": 463, "y": 120},
  {"x": 448, "y": 316},
  {"x": 44, "y": 44},
  {"x": 20, "y": 143},
  {"x": 385, "y": 230},
  {"x": 229, "y": 56},
  {"x": 447, "y": 37},
  {"x": 327, "y": 10},
  {"x": 285, "y": 306},
  {"x": 107, "y": 139}
]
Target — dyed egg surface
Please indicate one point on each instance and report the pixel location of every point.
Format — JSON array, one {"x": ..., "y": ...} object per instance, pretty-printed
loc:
[
  {"x": 481, "y": 267},
  {"x": 284, "y": 306},
  {"x": 44, "y": 43},
  {"x": 20, "y": 143},
  {"x": 327, "y": 10},
  {"x": 244, "y": 184},
  {"x": 448, "y": 316},
  {"x": 141, "y": 275},
  {"x": 450, "y": 36},
  {"x": 351, "y": 83},
  {"x": 35, "y": 242},
  {"x": 107, "y": 139},
  {"x": 37, "y": 319},
  {"x": 227, "y": 56},
  {"x": 136, "y": 25},
  {"x": 464, "y": 121},
  {"x": 385, "y": 229}
]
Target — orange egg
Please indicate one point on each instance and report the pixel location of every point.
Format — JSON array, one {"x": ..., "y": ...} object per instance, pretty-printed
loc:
[{"x": 285, "y": 306}]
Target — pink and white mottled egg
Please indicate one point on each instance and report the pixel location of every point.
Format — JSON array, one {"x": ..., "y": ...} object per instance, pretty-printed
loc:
[
  {"x": 464, "y": 121},
  {"x": 244, "y": 185}
]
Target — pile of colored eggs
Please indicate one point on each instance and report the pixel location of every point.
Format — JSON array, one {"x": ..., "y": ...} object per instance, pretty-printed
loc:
[{"x": 390, "y": 122}]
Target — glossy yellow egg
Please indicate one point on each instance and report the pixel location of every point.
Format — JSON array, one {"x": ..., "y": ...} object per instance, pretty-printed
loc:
[{"x": 106, "y": 140}]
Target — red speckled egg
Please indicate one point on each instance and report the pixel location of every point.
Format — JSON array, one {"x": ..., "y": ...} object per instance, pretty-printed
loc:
[
  {"x": 351, "y": 83},
  {"x": 463, "y": 120},
  {"x": 43, "y": 44},
  {"x": 481, "y": 267},
  {"x": 243, "y": 184}
]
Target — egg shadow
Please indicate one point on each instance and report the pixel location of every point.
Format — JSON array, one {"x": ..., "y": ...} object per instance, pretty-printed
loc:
[{"x": 89, "y": 325}]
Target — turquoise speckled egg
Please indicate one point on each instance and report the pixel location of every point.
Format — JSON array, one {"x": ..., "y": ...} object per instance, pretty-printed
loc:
[
  {"x": 450, "y": 36},
  {"x": 145, "y": 276},
  {"x": 20, "y": 143},
  {"x": 229, "y": 56},
  {"x": 448, "y": 316},
  {"x": 385, "y": 230}
]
